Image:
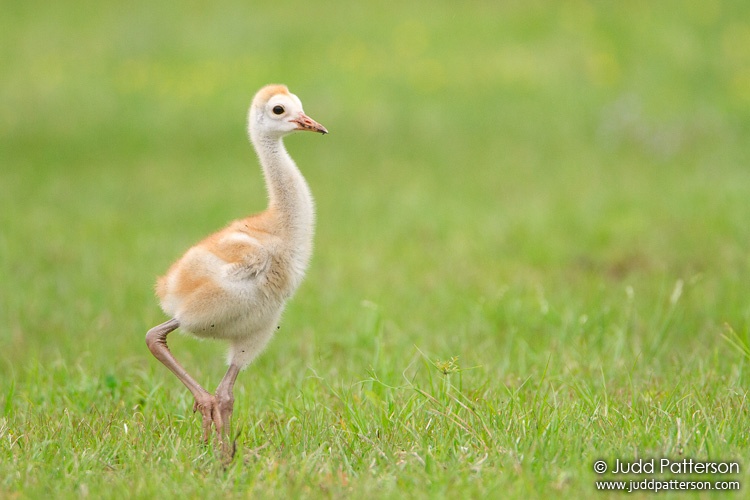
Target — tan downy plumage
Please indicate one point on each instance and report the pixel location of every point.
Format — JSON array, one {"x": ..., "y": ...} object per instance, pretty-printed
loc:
[{"x": 233, "y": 285}]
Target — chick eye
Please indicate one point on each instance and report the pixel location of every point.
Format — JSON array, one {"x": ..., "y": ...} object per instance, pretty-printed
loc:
[{"x": 278, "y": 110}]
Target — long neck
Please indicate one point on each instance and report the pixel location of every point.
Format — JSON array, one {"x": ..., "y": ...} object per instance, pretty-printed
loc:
[{"x": 289, "y": 196}]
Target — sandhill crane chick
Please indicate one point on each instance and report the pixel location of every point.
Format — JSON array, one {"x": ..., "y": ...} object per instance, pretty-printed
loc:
[{"x": 233, "y": 285}]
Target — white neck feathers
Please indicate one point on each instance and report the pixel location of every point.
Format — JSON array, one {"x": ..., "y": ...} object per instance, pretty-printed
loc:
[{"x": 289, "y": 196}]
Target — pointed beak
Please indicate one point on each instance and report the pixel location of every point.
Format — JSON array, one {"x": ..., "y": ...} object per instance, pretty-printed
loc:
[{"x": 304, "y": 122}]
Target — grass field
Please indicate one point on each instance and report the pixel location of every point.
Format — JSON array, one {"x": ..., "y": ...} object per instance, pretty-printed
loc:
[{"x": 533, "y": 244}]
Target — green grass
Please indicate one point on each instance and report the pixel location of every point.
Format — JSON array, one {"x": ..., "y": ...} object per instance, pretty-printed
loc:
[{"x": 532, "y": 252}]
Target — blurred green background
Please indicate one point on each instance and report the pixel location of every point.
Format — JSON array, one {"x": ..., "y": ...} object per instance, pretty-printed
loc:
[
  {"x": 508, "y": 182},
  {"x": 569, "y": 150}
]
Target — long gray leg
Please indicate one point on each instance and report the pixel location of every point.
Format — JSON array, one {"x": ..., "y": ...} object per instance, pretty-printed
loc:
[
  {"x": 156, "y": 340},
  {"x": 225, "y": 400}
]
